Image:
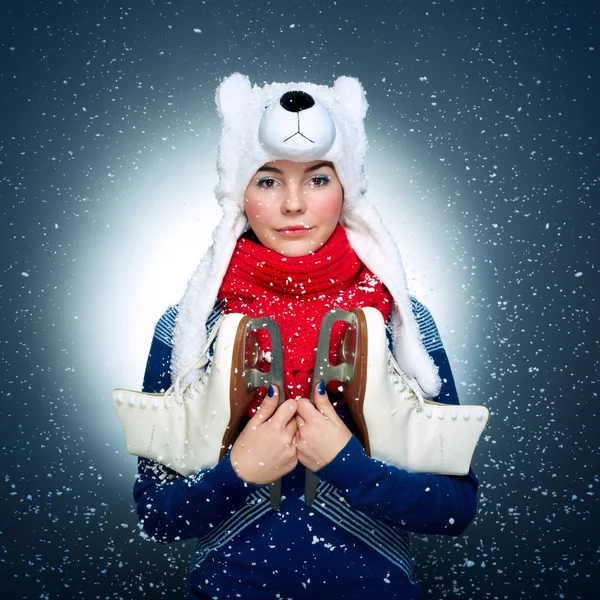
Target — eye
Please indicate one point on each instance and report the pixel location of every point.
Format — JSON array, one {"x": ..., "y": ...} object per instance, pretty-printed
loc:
[
  {"x": 319, "y": 180},
  {"x": 266, "y": 182}
]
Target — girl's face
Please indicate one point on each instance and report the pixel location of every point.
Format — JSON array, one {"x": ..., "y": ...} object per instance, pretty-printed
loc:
[{"x": 292, "y": 207}]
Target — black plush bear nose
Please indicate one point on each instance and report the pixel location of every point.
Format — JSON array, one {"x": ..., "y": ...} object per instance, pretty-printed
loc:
[{"x": 296, "y": 101}]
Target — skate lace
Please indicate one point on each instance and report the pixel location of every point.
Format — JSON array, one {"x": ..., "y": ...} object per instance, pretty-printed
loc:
[
  {"x": 200, "y": 363},
  {"x": 409, "y": 388}
]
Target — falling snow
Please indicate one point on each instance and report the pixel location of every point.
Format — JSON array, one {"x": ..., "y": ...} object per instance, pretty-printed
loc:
[{"x": 484, "y": 154}]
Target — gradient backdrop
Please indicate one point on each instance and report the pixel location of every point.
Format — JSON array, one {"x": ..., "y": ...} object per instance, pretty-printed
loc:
[{"x": 484, "y": 158}]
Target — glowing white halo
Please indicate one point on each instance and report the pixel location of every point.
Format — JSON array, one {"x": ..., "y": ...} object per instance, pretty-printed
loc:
[
  {"x": 141, "y": 265},
  {"x": 154, "y": 240},
  {"x": 424, "y": 235}
]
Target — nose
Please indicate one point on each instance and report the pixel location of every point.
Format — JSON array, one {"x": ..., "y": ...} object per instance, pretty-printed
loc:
[
  {"x": 296, "y": 101},
  {"x": 294, "y": 202}
]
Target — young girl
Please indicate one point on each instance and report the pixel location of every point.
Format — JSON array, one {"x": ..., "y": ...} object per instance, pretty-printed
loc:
[{"x": 298, "y": 238}]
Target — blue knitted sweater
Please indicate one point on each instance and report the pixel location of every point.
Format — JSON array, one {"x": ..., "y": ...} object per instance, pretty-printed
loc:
[{"x": 353, "y": 542}]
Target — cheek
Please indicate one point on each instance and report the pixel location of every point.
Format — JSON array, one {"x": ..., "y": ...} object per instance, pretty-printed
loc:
[
  {"x": 259, "y": 211},
  {"x": 254, "y": 207},
  {"x": 331, "y": 207}
]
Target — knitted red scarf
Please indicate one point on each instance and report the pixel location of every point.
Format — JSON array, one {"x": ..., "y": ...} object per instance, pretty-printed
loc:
[{"x": 297, "y": 292}]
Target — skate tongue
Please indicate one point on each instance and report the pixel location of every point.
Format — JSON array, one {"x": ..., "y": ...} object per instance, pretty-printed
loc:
[
  {"x": 409, "y": 384},
  {"x": 197, "y": 364}
]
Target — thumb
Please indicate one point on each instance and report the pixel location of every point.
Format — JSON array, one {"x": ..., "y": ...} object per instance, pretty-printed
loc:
[
  {"x": 268, "y": 406},
  {"x": 321, "y": 399}
]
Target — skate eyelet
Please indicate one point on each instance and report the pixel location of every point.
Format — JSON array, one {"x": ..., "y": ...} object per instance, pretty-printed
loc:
[
  {"x": 131, "y": 400},
  {"x": 480, "y": 416},
  {"x": 429, "y": 413},
  {"x": 453, "y": 415},
  {"x": 144, "y": 403},
  {"x": 466, "y": 415},
  {"x": 441, "y": 414},
  {"x": 120, "y": 399}
]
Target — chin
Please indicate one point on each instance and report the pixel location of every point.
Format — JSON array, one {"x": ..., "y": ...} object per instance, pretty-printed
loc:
[
  {"x": 295, "y": 248},
  {"x": 296, "y": 251}
]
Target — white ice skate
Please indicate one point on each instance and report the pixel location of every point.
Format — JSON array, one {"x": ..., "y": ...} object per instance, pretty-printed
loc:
[
  {"x": 395, "y": 423},
  {"x": 192, "y": 429}
]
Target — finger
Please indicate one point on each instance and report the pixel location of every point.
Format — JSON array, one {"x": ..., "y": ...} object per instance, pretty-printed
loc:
[
  {"x": 305, "y": 408},
  {"x": 285, "y": 413},
  {"x": 322, "y": 403},
  {"x": 268, "y": 406},
  {"x": 291, "y": 427}
]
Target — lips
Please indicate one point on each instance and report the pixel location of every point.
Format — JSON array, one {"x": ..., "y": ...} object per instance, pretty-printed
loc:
[{"x": 294, "y": 230}]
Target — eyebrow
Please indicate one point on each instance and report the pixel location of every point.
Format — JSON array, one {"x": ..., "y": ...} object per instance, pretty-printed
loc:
[
  {"x": 316, "y": 167},
  {"x": 270, "y": 169}
]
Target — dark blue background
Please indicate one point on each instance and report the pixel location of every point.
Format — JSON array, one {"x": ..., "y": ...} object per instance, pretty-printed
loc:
[{"x": 484, "y": 138}]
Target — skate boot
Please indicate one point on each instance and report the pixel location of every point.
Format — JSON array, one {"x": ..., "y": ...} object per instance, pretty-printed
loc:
[
  {"x": 395, "y": 424},
  {"x": 193, "y": 428}
]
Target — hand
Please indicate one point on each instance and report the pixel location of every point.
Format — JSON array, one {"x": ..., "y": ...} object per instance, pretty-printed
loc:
[
  {"x": 321, "y": 433},
  {"x": 265, "y": 450}
]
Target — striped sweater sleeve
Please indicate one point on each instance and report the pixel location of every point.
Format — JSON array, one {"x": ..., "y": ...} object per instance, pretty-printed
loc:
[
  {"x": 171, "y": 507},
  {"x": 418, "y": 502},
  {"x": 433, "y": 344}
]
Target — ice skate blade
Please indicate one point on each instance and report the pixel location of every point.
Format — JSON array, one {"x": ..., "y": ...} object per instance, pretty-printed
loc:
[
  {"x": 349, "y": 351},
  {"x": 254, "y": 359},
  {"x": 349, "y": 365},
  {"x": 252, "y": 367}
]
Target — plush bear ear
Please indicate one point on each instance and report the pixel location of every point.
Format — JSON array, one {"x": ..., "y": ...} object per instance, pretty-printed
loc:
[
  {"x": 350, "y": 93},
  {"x": 232, "y": 95}
]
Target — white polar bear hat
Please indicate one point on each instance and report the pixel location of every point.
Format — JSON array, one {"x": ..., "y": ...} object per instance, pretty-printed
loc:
[{"x": 298, "y": 122}]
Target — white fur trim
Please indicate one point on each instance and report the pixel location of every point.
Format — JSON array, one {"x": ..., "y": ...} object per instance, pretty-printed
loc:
[
  {"x": 243, "y": 111},
  {"x": 352, "y": 95},
  {"x": 376, "y": 248}
]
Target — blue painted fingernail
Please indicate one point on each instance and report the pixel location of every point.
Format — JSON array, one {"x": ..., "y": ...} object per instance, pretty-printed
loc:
[
  {"x": 321, "y": 388},
  {"x": 271, "y": 391}
]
